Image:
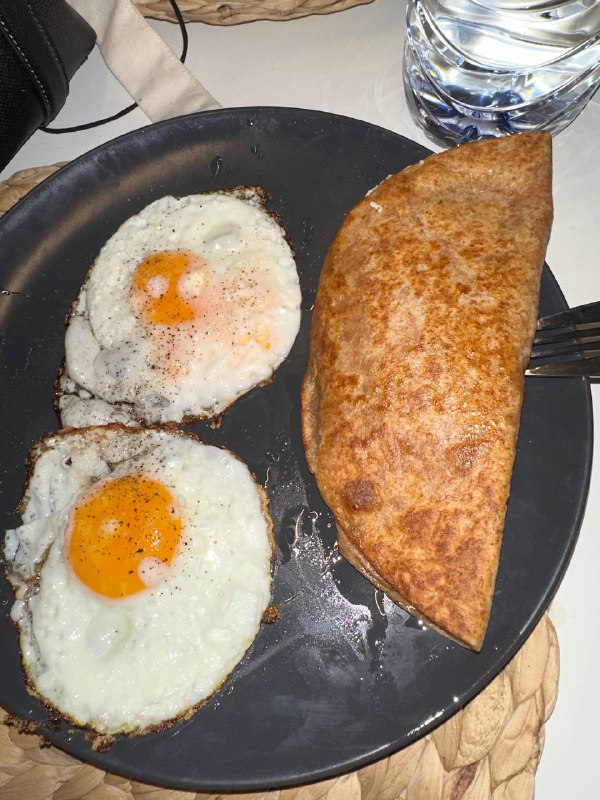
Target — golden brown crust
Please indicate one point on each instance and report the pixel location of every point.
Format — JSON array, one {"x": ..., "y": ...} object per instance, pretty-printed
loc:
[{"x": 411, "y": 402}]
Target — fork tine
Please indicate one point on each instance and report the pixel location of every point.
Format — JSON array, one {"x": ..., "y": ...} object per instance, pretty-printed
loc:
[
  {"x": 548, "y": 336},
  {"x": 589, "y": 367},
  {"x": 585, "y": 349},
  {"x": 587, "y": 314}
]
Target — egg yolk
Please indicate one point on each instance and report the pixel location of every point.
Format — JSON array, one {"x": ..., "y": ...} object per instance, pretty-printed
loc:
[
  {"x": 163, "y": 285},
  {"x": 121, "y": 526}
]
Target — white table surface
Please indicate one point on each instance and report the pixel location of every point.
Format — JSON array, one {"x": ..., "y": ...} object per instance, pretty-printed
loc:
[{"x": 350, "y": 63}]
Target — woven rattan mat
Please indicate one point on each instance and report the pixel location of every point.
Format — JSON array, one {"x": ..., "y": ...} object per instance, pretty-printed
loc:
[
  {"x": 216, "y": 12},
  {"x": 488, "y": 751}
]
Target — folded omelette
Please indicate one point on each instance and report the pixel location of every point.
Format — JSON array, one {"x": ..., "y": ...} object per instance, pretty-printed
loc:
[{"x": 422, "y": 328}]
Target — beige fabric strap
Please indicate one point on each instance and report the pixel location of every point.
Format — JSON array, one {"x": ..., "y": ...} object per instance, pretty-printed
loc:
[{"x": 141, "y": 61}]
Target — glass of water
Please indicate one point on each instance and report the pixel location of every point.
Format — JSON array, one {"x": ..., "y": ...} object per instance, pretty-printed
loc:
[{"x": 480, "y": 68}]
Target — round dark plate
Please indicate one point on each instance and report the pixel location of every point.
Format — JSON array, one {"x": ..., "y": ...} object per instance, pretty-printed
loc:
[{"x": 344, "y": 677}]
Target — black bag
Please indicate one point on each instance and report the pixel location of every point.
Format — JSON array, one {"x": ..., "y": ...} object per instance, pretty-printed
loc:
[{"x": 42, "y": 44}]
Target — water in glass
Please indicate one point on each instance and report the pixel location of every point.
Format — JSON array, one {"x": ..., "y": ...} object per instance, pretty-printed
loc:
[{"x": 477, "y": 68}]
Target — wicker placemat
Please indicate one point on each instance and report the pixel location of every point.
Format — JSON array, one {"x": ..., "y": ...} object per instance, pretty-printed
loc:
[
  {"x": 488, "y": 751},
  {"x": 216, "y": 12}
]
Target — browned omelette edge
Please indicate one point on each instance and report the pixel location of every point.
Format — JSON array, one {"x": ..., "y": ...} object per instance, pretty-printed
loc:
[{"x": 526, "y": 159}]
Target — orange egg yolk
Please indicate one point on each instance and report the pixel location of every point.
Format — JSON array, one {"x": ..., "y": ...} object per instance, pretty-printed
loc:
[
  {"x": 116, "y": 526},
  {"x": 157, "y": 286}
]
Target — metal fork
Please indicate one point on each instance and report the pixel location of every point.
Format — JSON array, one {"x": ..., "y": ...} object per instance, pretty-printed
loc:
[{"x": 570, "y": 341}]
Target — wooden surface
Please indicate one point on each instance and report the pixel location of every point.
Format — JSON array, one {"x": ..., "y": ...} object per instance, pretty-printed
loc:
[{"x": 489, "y": 750}]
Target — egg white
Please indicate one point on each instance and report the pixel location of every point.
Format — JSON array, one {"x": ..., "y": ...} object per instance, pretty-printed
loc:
[
  {"x": 170, "y": 373},
  {"x": 128, "y": 664}
]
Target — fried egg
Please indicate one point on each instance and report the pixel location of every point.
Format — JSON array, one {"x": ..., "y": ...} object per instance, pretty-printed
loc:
[
  {"x": 190, "y": 304},
  {"x": 142, "y": 569}
]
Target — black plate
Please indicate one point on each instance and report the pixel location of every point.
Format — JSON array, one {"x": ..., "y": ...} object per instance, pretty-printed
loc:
[{"x": 344, "y": 677}]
